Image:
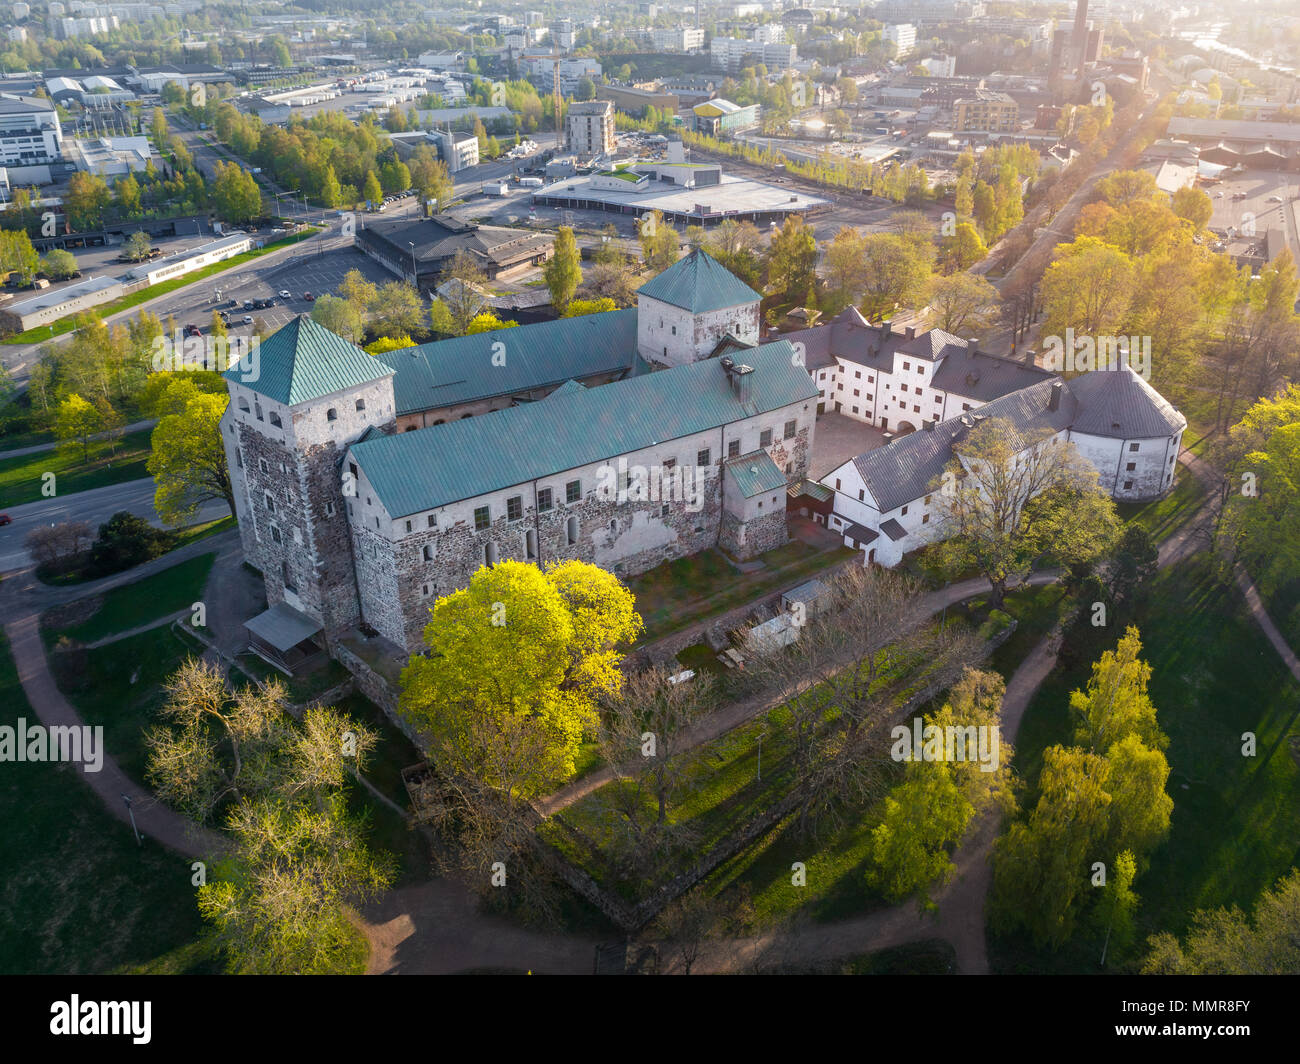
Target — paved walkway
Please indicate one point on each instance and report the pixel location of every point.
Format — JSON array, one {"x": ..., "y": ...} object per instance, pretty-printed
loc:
[
  {"x": 152, "y": 818},
  {"x": 37, "y": 448}
]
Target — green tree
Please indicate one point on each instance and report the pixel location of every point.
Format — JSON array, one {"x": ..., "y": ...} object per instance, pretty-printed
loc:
[
  {"x": 962, "y": 249},
  {"x": 924, "y": 815},
  {"x": 137, "y": 246},
  {"x": 59, "y": 264},
  {"x": 76, "y": 422},
  {"x": 488, "y": 322},
  {"x": 372, "y": 191},
  {"x": 962, "y": 304},
  {"x": 331, "y": 192},
  {"x": 1012, "y": 496},
  {"x": 339, "y": 316},
  {"x": 563, "y": 271},
  {"x": 235, "y": 194},
  {"x": 578, "y": 307},
  {"x": 660, "y": 242},
  {"x": 1117, "y": 904},
  {"x": 188, "y": 462},
  {"x": 87, "y": 198},
  {"x": 396, "y": 311},
  {"x": 896, "y": 273},
  {"x": 158, "y": 127},
  {"x": 515, "y": 662},
  {"x": 791, "y": 258}
]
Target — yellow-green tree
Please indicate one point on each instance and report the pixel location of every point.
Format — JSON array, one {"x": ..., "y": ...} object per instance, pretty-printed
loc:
[
  {"x": 563, "y": 271},
  {"x": 76, "y": 422},
  {"x": 188, "y": 463},
  {"x": 514, "y": 664}
]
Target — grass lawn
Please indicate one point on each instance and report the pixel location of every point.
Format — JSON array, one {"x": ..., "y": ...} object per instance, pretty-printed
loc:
[
  {"x": 18, "y": 440},
  {"x": 1163, "y": 517},
  {"x": 133, "y": 299},
  {"x": 76, "y": 893},
  {"x": 1236, "y": 819},
  {"x": 678, "y": 593},
  {"x": 132, "y": 605},
  {"x": 20, "y": 478}
]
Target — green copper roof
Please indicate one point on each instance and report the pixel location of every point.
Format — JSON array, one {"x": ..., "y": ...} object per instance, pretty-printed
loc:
[
  {"x": 427, "y": 468},
  {"x": 699, "y": 283},
  {"x": 305, "y": 361},
  {"x": 512, "y": 361},
  {"x": 755, "y": 474}
]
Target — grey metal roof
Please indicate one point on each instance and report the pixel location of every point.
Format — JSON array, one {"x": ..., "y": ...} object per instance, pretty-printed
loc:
[
  {"x": 305, "y": 361},
  {"x": 282, "y": 626},
  {"x": 755, "y": 473},
  {"x": 906, "y": 468},
  {"x": 1119, "y": 404},
  {"x": 699, "y": 283},
  {"x": 427, "y": 468},
  {"x": 893, "y": 529},
  {"x": 860, "y": 532},
  {"x": 985, "y": 377},
  {"x": 547, "y": 353}
]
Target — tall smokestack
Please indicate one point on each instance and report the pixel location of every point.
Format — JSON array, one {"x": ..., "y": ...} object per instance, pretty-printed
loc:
[{"x": 1079, "y": 42}]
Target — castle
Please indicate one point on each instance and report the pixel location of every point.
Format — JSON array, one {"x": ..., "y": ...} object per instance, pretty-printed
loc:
[{"x": 367, "y": 486}]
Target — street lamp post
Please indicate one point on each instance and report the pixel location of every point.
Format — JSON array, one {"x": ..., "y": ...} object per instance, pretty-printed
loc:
[
  {"x": 415, "y": 268},
  {"x": 129, "y": 812}
]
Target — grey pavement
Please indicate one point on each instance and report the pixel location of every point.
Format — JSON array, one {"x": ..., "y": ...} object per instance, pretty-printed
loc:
[
  {"x": 37, "y": 448},
  {"x": 94, "y": 507}
]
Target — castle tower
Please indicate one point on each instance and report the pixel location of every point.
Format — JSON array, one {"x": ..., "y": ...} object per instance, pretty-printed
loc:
[
  {"x": 685, "y": 312},
  {"x": 307, "y": 395}
]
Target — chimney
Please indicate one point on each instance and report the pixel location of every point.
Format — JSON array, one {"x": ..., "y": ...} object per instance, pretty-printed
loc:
[
  {"x": 928, "y": 426},
  {"x": 1031, "y": 357},
  {"x": 739, "y": 376},
  {"x": 885, "y": 330},
  {"x": 1054, "y": 401},
  {"x": 972, "y": 345}
]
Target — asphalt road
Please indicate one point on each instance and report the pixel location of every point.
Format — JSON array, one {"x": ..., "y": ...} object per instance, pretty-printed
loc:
[{"x": 94, "y": 507}]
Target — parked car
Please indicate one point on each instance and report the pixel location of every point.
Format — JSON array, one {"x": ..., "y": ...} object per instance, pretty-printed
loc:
[
  {"x": 248, "y": 304},
  {"x": 1275, "y": 199},
  {"x": 193, "y": 330},
  {"x": 308, "y": 296},
  {"x": 248, "y": 319},
  {"x": 5, "y": 519},
  {"x": 284, "y": 294}
]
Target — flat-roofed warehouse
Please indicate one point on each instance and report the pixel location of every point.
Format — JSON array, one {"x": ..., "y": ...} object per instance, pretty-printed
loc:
[
  {"x": 53, "y": 305},
  {"x": 429, "y": 245},
  {"x": 686, "y": 193}
]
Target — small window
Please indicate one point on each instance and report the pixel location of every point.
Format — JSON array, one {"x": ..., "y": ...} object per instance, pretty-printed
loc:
[
  {"x": 270, "y": 503},
  {"x": 765, "y": 438},
  {"x": 257, "y": 410},
  {"x": 938, "y": 399},
  {"x": 857, "y": 375},
  {"x": 239, "y": 459},
  {"x": 665, "y": 510},
  {"x": 870, "y": 397},
  {"x": 790, "y": 428},
  {"x": 275, "y": 534},
  {"x": 361, "y": 404},
  {"x": 408, "y": 526},
  {"x": 904, "y": 512},
  {"x": 674, "y": 330},
  {"x": 1128, "y": 484},
  {"x": 669, "y": 463},
  {"x": 907, "y": 365},
  {"x": 927, "y": 499},
  {"x": 275, "y": 420},
  {"x": 571, "y": 531},
  {"x": 1130, "y": 467},
  {"x": 329, "y": 509},
  {"x": 573, "y": 491},
  {"x": 837, "y": 483},
  {"x": 514, "y": 508},
  {"x": 702, "y": 458},
  {"x": 965, "y": 406},
  {"x": 428, "y": 552},
  {"x": 902, "y": 387},
  {"x": 862, "y": 495},
  {"x": 243, "y": 404},
  {"x": 352, "y": 468},
  {"x": 1133, "y": 446},
  {"x": 856, "y": 393},
  {"x": 262, "y": 465},
  {"x": 543, "y": 500},
  {"x": 925, "y": 519},
  {"x": 482, "y": 518},
  {"x": 920, "y": 370},
  {"x": 331, "y": 414},
  {"x": 432, "y": 521},
  {"x": 733, "y": 449}
]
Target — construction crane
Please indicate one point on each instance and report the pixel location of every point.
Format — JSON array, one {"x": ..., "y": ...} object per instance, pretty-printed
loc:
[{"x": 555, "y": 58}]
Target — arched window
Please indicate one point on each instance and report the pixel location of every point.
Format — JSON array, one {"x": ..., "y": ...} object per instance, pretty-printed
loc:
[
  {"x": 257, "y": 409},
  {"x": 331, "y": 414},
  {"x": 428, "y": 552},
  {"x": 572, "y": 531},
  {"x": 243, "y": 404},
  {"x": 275, "y": 420},
  {"x": 361, "y": 404}
]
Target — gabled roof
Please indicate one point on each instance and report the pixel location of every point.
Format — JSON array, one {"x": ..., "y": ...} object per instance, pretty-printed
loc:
[
  {"x": 933, "y": 344},
  {"x": 427, "y": 468},
  {"x": 305, "y": 361},
  {"x": 544, "y": 354},
  {"x": 893, "y": 529},
  {"x": 906, "y": 468},
  {"x": 699, "y": 283},
  {"x": 1120, "y": 404},
  {"x": 755, "y": 474}
]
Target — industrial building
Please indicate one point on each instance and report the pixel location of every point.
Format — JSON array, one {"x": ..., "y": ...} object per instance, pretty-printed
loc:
[{"x": 419, "y": 251}]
